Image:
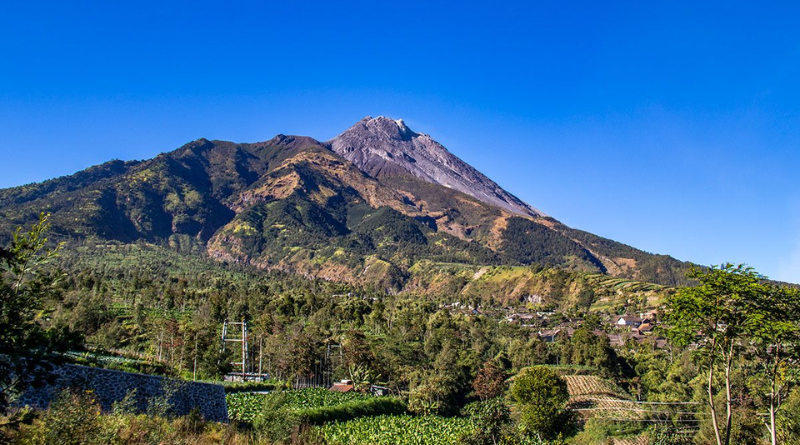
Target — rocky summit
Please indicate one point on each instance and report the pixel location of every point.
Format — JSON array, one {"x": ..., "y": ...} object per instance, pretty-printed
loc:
[{"x": 384, "y": 147}]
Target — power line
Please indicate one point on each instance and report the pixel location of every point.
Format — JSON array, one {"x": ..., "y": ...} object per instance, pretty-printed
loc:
[
  {"x": 656, "y": 421},
  {"x": 614, "y": 408},
  {"x": 636, "y": 401}
]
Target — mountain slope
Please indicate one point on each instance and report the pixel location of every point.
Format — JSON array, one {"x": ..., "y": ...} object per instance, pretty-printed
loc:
[
  {"x": 295, "y": 204},
  {"x": 384, "y": 147}
]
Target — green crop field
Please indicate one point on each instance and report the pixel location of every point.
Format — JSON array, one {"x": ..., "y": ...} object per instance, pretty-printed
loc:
[
  {"x": 245, "y": 406},
  {"x": 398, "y": 430}
]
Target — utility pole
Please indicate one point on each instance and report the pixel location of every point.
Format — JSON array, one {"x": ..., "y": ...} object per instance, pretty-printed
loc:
[
  {"x": 260, "y": 355},
  {"x": 241, "y": 339}
]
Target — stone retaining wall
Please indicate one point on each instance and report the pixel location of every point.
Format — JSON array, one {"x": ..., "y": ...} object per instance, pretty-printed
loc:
[{"x": 110, "y": 386}]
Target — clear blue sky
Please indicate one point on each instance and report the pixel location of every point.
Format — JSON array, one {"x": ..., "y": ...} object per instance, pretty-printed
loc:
[{"x": 670, "y": 126}]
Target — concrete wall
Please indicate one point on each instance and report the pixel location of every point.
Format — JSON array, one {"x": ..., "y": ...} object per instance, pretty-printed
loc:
[{"x": 111, "y": 386}]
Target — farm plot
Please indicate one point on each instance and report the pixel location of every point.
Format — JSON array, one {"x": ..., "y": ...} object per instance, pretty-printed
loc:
[
  {"x": 590, "y": 385},
  {"x": 399, "y": 430},
  {"x": 594, "y": 397},
  {"x": 245, "y": 406}
]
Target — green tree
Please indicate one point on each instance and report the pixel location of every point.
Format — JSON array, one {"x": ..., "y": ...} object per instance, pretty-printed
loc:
[
  {"x": 775, "y": 339},
  {"x": 789, "y": 418},
  {"x": 24, "y": 287},
  {"x": 589, "y": 349},
  {"x": 542, "y": 397},
  {"x": 490, "y": 417},
  {"x": 717, "y": 315}
]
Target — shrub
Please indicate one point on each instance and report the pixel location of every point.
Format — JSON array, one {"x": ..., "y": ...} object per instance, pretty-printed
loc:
[
  {"x": 74, "y": 418},
  {"x": 431, "y": 397},
  {"x": 352, "y": 410},
  {"x": 490, "y": 417},
  {"x": 600, "y": 430},
  {"x": 269, "y": 385},
  {"x": 542, "y": 395},
  {"x": 276, "y": 422}
]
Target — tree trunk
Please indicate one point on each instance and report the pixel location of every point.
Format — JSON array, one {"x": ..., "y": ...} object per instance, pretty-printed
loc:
[
  {"x": 160, "y": 339},
  {"x": 728, "y": 407},
  {"x": 710, "y": 390},
  {"x": 773, "y": 436},
  {"x": 774, "y": 397},
  {"x": 183, "y": 349},
  {"x": 194, "y": 370}
]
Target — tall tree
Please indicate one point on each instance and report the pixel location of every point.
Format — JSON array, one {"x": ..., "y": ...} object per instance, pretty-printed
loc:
[
  {"x": 717, "y": 315},
  {"x": 775, "y": 339}
]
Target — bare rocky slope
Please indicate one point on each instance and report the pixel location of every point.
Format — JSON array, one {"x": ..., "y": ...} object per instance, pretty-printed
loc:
[{"x": 385, "y": 147}]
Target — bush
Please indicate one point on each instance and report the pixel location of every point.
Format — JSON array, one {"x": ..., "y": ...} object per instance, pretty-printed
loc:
[
  {"x": 276, "y": 422},
  {"x": 600, "y": 430},
  {"x": 74, "y": 418},
  {"x": 490, "y": 417},
  {"x": 269, "y": 385},
  {"x": 352, "y": 410}
]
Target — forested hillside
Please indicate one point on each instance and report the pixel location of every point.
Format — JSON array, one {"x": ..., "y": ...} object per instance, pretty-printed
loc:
[{"x": 294, "y": 205}]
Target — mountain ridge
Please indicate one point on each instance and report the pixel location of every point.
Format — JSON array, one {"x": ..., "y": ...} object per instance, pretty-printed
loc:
[{"x": 295, "y": 204}]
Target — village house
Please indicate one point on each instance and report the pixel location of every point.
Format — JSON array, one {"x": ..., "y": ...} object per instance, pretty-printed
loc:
[
  {"x": 522, "y": 318},
  {"x": 342, "y": 386},
  {"x": 649, "y": 315},
  {"x": 627, "y": 321},
  {"x": 549, "y": 335},
  {"x": 645, "y": 328}
]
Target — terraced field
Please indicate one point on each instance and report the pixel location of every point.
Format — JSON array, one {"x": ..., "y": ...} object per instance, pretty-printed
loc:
[
  {"x": 594, "y": 396},
  {"x": 591, "y": 385},
  {"x": 623, "y": 283}
]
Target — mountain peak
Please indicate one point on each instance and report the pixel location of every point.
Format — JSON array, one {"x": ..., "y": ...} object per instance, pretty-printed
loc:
[
  {"x": 384, "y": 147},
  {"x": 382, "y": 127}
]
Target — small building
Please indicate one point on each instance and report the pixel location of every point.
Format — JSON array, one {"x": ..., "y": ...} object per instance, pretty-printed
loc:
[
  {"x": 549, "y": 335},
  {"x": 342, "y": 386},
  {"x": 627, "y": 320},
  {"x": 616, "y": 340},
  {"x": 651, "y": 315},
  {"x": 645, "y": 328}
]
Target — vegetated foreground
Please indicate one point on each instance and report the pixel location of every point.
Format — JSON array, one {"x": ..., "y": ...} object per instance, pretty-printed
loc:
[{"x": 586, "y": 358}]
